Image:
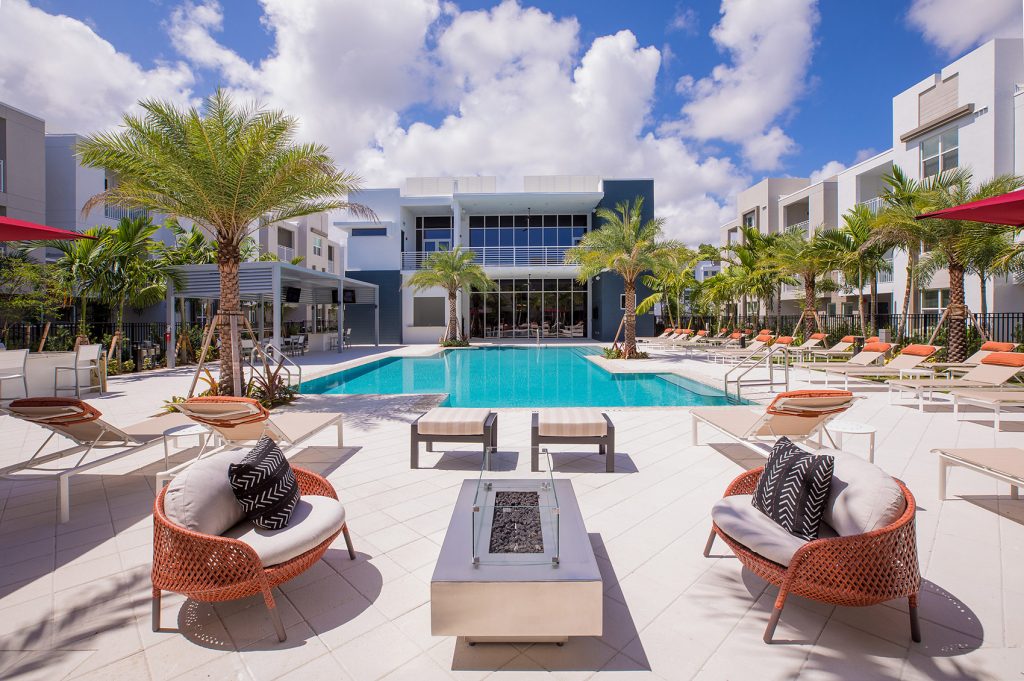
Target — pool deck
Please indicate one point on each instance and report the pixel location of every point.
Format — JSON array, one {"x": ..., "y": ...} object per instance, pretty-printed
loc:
[{"x": 74, "y": 599}]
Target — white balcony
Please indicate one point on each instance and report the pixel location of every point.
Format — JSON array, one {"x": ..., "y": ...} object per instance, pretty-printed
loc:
[
  {"x": 112, "y": 212},
  {"x": 500, "y": 256},
  {"x": 285, "y": 253},
  {"x": 874, "y": 205},
  {"x": 803, "y": 226}
]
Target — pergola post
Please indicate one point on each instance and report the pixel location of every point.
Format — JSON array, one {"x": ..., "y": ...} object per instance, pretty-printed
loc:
[
  {"x": 263, "y": 313},
  {"x": 341, "y": 314},
  {"x": 276, "y": 283},
  {"x": 376, "y": 316},
  {"x": 169, "y": 337}
]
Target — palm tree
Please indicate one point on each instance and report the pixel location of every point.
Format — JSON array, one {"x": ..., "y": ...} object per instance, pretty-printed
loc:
[
  {"x": 626, "y": 245},
  {"x": 808, "y": 260},
  {"x": 762, "y": 278},
  {"x": 950, "y": 241},
  {"x": 132, "y": 275},
  {"x": 670, "y": 280},
  {"x": 453, "y": 270},
  {"x": 228, "y": 169},
  {"x": 78, "y": 270},
  {"x": 847, "y": 250},
  {"x": 985, "y": 255}
]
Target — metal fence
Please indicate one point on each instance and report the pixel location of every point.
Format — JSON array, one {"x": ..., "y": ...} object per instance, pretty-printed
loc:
[{"x": 61, "y": 335}]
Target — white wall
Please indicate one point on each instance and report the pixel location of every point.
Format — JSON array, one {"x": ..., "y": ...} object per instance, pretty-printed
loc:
[{"x": 372, "y": 252}]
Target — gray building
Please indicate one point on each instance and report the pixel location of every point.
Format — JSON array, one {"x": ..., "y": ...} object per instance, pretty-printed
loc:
[{"x": 22, "y": 165}]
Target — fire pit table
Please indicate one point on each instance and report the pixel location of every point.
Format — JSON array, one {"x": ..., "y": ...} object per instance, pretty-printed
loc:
[{"x": 516, "y": 565}]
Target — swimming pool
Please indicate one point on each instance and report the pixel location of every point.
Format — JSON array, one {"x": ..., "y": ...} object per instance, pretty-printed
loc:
[{"x": 516, "y": 377}]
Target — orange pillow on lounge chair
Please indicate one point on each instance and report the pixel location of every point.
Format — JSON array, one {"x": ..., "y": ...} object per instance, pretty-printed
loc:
[
  {"x": 735, "y": 335},
  {"x": 764, "y": 332},
  {"x": 784, "y": 340},
  {"x": 257, "y": 411},
  {"x": 83, "y": 411},
  {"x": 702, "y": 332},
  {"x": 872, "y": 339},
  {"x": 847, "y": 339},
  {"x": 996, "y": 346},
  {"x": 841, "y": 397},
  {"x": 685, "y": 332},
  {"x": 763, "y": 338},
  {"x": 877, "y": 347},
  {"x": 919, "y": 350},
  {"x": 1005, "y": 359},
  {"x": 819, "y": 336}
]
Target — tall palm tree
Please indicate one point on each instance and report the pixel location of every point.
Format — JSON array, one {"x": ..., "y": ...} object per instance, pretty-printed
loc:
[
  {"x": 950, "y": 241},
  {"x": 453, "y": 270},
  {"x": 847, "y": 250},
  {"x": 78, "y": 270},
  {"x": 752, "y": 258},
  {"x": 132, "y": 274},
  {"x": 985, "y": 256},
  {"x": 626, "y": 245},
  {"x": 808, "y": 260},
  {"x": 227, "y": 168},
  {"x": 669, "y": 281}
]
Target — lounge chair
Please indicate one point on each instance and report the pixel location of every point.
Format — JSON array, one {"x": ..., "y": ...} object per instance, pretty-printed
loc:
[
  {"x": 750, "y": 348},
  {"x": 813, "y": 343},
  {"x": 974, "y": 360},
  {"x": 844, "y": 348},
  {"x": 83, "y": 424},
  {"x": 909, "y": 361},
  {"x": 797, "y": 414},
  {"x": 243, "y": 420},
  {"x": 994, "y": 372},
  {"x": 1005, "y": 464},
  {"x": 873, "y": 353},
  {"x": 12, "y": 367},
  {"x": 687, "y": 341},
  {"x": 666, "y": 334},
  {"x": 677, "y": 334},
  {"x": 996, "y": 400},
  {"x": 756, "y": 349}
]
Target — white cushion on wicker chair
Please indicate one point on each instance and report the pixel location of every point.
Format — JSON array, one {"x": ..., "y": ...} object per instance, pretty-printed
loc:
[
  {"x": 199, "y": 498},
  {"x": 863, "y": 496},
  {"x": 314, "y": 519},
  {"x": 571, "y": 422},
  {"x": 736, "y": 516},
  {"x": 453, "y": 421}
]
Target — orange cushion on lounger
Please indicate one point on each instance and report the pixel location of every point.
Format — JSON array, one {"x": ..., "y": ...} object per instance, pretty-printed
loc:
[
  {"x": 736, "y": 335},
  {"x": 702, "y": 332},
  {"x": 877, "y": 347},
  {"x": 71, "y": 410},
  {"x": 763, "y": 338},
  {"x": 846, "y": 339},
  {"x": 819, "y": 402},
  {"x": 250, "y": 411},
  {"x": 873, "y": 339},
  {"x": 686, "y": 332},
  {"x": 996, "y": 346},
  {"x": 1005, "y": 359},
  {"x": 823, "y": 336},
  {"x": 919, "y": 350},
  {"x": 764, "y": 332},
  {"x": 783, "y": 340}
]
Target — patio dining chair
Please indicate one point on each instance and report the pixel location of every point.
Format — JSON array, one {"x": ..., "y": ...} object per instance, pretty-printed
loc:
[
  {"x": 87, "y": 360},
  {"x": 13, "y": 365}
]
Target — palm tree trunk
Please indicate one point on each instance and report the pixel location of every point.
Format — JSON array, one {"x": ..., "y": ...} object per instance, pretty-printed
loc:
[
  {"x": 83, "y": 327},
  {"x": 452, "y": 332},
  {"x": 956, "y": 336},
  {"x": 228, "y": 258},
  {"x": 860, "y": 305},
  {"x": 874, "y": 302},
  {"x": 778, "y": 308},
  {"x": 629, "y": 344},
  {"x": 119, "y": 330},
  {"x": 809, "y": 306},
  {"x": 983, "y": 276},
  {"x": 908, "y": 295}
]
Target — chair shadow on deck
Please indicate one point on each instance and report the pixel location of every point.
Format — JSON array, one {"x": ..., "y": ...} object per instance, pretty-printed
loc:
[
  {"x": 470, "y": 460},
  {"x": 578, "y": 654}
]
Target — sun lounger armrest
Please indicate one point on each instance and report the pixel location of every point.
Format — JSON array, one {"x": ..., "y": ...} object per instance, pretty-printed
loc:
[{"x": 745, "y": 483}]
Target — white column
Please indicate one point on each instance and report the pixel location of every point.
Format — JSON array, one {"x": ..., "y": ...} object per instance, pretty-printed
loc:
[
  {"x": 341, "y": 315},
  {"x": 276, "y": 284},
  {"x": 171, "y": 342},
  {"x": 262, "y": 322},
  {"x": 376, "y": 316}
]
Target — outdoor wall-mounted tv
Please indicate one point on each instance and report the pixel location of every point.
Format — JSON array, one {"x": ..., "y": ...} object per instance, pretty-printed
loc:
[
  {"x": 348, "y": 296},
  {"x": 291, "y": 294}
]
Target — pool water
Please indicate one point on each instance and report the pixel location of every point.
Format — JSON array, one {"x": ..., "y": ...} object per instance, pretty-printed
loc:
[{"x": 516, "y": 377}]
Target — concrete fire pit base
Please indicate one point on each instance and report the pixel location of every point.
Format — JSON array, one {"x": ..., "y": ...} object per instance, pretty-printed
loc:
[{"x": 517, "y": 602}]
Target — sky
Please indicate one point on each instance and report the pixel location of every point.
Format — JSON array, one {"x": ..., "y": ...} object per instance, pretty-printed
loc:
[{"x": 707, "y": 97}]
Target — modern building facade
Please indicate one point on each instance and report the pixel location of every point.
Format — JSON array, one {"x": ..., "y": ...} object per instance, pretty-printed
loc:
[
  {"x": 970, "y": 114},
  {"x": 520, "y": 239},
  {"x": 22, "y": 165}
]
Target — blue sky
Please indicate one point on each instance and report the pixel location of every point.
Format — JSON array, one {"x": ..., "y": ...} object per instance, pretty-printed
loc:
[{"x": 706, "y": 96}]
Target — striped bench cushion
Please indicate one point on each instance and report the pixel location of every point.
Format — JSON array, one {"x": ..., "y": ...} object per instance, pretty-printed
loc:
[
  {"x": 572, "y": 423},
  {"x": 452, "y": 421}
]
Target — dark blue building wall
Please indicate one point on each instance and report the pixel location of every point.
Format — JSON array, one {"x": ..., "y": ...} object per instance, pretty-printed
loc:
[
  {"x": 359, "y": 317},
  {"x": 605, "y": 313}
]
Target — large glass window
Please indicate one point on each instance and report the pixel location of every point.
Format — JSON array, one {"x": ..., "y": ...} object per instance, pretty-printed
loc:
[
  {"x": 934, "y": 300},
  {"x": 434, "y": 233},
  {"x": 519, "y": 308},
  {"x": 940, "y": 152},
  {"x": 506, "y": 231}
]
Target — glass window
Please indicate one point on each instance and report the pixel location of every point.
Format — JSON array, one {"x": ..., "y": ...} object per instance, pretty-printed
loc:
[
  {"x": 369, "y": 231},
  {"x": 565, "y": 236},
  {"x": 536, "y": 221},
  {"x": 522, "y": 221},
  {"x": 505, "y": 238},
  {"x": 492, "y": 237},
  {"x": 551, "y": 221},
  {"x": 522, "y": 237},
  {"x": 506, "y": 220},
  {"x": 318, "y": 245},
  {"x": 437, "y": 234},
  {"x": 437, "y": 222},
  {"x": 492, "y": 220},
  {"x": 565, "y": 221},
  {"x": 476, "y": 238},
  {"x": 536, "y": 236},
  {"x": 934, "y": 300},
  {"x": 330, "y": 253},
  {"x": 940, "y": 152},
  {"x": 476, "y": 220},
  {"x": 285, "y": 238},
  {"x": 577, "y": 234},
  {"x": 579, "y": 220},
  {"x": 428, "y": 311},
  {"x": 536, "y": 284},
  {"x": 550, "y": 236}
]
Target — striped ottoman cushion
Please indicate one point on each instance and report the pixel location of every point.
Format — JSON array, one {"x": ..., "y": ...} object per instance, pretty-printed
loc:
[
  {"x": 452, "y": 421},
  {"x": 572, "y": 423}
]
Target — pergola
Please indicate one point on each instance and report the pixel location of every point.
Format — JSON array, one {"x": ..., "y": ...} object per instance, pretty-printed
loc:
[{"x": 268, "y": 281}]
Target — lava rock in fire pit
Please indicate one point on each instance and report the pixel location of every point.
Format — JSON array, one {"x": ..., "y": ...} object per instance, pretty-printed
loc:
[{"x": 516, "y": 526}]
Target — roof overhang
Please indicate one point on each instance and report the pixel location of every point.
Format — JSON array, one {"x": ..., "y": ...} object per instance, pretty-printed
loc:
[
  {"x": 936, "y": 123},
  {"x": 534, "y": 202},
  {"x": 256, "y": 281}
]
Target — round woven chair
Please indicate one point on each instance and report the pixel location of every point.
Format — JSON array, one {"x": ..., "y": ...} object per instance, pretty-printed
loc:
[
  {"x": 211, "y": 568},
  {"x": 857, "y": 570}
]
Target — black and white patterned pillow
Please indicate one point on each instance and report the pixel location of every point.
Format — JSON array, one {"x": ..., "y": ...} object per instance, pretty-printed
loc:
[
  {"x": 265, "y": 485},
  {"x": 794, "y": 488}
]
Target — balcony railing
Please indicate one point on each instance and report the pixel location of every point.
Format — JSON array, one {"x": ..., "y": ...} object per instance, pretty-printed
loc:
[
  {"x": 285, "y": 254},
  {"x": 800, "y": 225},
  {"x": 120, "y": 212},
  {"x": 874, "y": 205},
  {"x": 500, "y": 256}
]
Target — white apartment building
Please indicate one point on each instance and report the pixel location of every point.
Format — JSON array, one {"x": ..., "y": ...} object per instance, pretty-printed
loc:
[
  {"x": 970, "y": 114},
  {"x": 519, "y": 238}
]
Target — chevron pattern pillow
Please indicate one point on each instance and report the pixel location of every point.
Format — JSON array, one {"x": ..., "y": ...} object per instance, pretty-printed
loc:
[
  {"x": 265, "y": 485},
  {"x": 794, "y": 488}
]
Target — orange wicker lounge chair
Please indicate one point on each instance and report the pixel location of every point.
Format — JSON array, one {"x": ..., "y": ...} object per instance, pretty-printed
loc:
[
  {"x": 213, "y": 568},
  {"x": 853, "y": 570}
]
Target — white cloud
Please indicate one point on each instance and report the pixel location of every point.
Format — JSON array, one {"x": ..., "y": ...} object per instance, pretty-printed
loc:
[
  {"x": 58, "y": 68},
  {"x": 685, "y": 19},
  {"x": 955, "y": 26},
  {"x": 770, "y": 46},
  {"x": 826, "y": 171}
]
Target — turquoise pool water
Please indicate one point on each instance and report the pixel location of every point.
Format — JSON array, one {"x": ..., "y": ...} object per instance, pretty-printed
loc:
[{"x": 516, "y": 377}]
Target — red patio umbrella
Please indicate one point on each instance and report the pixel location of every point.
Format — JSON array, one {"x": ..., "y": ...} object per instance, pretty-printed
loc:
[
  {"x": 1005, "y": 209},
  {"x": 20, "y": 230}
]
